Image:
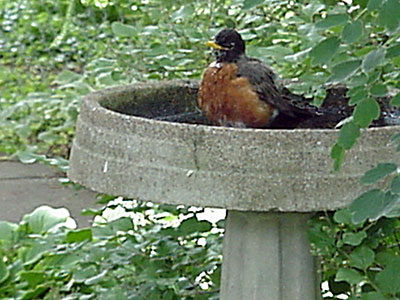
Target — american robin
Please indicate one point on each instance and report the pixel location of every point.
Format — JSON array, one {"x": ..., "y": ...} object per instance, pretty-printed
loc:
[{"x": 240, "y": 91}]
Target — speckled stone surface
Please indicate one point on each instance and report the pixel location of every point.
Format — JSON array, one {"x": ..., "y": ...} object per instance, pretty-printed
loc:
[{"x": 118, "y": 153}]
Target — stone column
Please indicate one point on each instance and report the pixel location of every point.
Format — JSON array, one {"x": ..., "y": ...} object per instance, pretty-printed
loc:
[{"x": 267, "y": 257}]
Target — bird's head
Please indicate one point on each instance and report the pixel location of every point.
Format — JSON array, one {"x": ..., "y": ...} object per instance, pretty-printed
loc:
[{"x": 228, "y": 45}]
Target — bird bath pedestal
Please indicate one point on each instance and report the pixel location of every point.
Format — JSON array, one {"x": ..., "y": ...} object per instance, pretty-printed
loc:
[{"x": 270, "y": 181}]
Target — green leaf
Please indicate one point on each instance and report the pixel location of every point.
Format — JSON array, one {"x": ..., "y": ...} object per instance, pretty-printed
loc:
[
  {"x": 373, "y": 296},
  {"x": 8, "y": 232},
  {"x": 248, "y": 4},
  {"x": 123, "y": 30},
  {"x": 76, "y": 236},
  {"x": 370, "y": 205},
  {"x": 395, "y": 186},
  {"x": 354, "y": 238},
  {"x": 373, "y": 59},
  {"x": 183, "y": 12},
  {"x": 121, "y": 224},
  {"x": 44, "y": 218},
  {"x": 80, "y": 275},
  {"x": 378, "y": 90},
  {"x": 379, "y": 172},
  {"x": 338, "y": 155},
  {"x": 349, "y": 275},
  {"x": 192, "y": 225},
  {"x": 362, "y": 257},
  {"x": 393, "y": 51},
  {"x": 343, "y": 70},
  {"x": 348, "y": 135},
  {"x": 4, "y": 273},
  {"x": 374, "y": 4},
  {"x": 67, "y": 77},
  {"x": 389, "y": 15},
  {"x": 276, "y": 51},
  {"x": 395, "y": 101},
  {"x": 312, "y": 8},
  {"x": 365, "y": 112},
  {"x": 359, "y": 96},
  {"x": 388, "y": 280},
  {"x": 332, "y": 20},
  {"x": 323, "y": 52},
  {"x": 33, "y": 278},
  {"x": 96, "y": 278},
  {"x": 343, "y": 216},
  {"x": 358, "y": 79},
  {"x": 352, "y": 32}
]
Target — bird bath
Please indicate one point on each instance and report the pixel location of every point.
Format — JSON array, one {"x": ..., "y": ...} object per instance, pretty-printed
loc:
[{"x": 270, "y": 181}]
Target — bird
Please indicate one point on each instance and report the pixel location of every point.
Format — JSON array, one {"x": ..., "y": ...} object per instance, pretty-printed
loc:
[{"x": 241, "y": 91}]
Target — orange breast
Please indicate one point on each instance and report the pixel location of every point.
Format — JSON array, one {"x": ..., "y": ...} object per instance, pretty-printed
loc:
[{"x": 229, "y": 100}]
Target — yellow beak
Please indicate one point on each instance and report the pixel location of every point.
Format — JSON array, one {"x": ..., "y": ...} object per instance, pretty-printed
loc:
[{"x": 214, "y": 45}]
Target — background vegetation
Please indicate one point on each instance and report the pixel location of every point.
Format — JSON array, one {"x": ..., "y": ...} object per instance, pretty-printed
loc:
[{"x": 55, "y": 52}]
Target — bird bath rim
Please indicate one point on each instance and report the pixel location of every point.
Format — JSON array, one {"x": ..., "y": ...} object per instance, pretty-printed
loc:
[{"x": 201, "y": 165}]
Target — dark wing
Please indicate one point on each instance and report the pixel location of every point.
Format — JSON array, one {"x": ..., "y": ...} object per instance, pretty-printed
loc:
[{"x": 263, "y": 80}]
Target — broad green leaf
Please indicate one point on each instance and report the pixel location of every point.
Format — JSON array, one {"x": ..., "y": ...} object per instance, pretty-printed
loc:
[
  {"x": 276, "y": 51},
  {"x": 354, "y": 238},
  {"x": 35, "y": 251},
  {"x": 388, "y": 280},
  {"x": 122, "y": 30},
  {"x": 389, "y": 15},
  {"x": 76, "y": 236},
  {"x": 393, "y": 51},
  {"x": 370, "y": 205},
  {"x": 80, "y": 275},
  {"x": 44, "y": 218},
  {"x": 8, "y": 232},
  {"x": 121, "y": 224},
  {"x": 96, "y": 278},
  {"x": 312, "y": 8},
  {"x": 348, "y": 135},
  {"x": 28, "y": 157},
  {"x": 33, "y": 278},
  {"x": 395, "y": 186},
  {"x": 4, "y": 273},
  {"x": 323, "y": 52},
  {"x": 365, "y": 112},
  {"x": 67, "y": 77},
  {"x": 373, "y": 59},
  {"x": 393, "y": 210},
  {"x": 379, "y": 172},
  {"x": 248, "y": 4},
  {"x": 373, "y": 296},
  {"x": 184, "y": 12},
  {"x": 349, "y": 275},
  {"x": 192, "y": 225},
  {"x": 358, "y": 79},
  {"x": 338, "y": 155},
  {"x": 332, "y": 20},
  {"x": 359, "y": 96},
  {"x": 395, "y": 101},
  {"x": 343, "y": 70},
  {"x": 378, "y": 90},
  {"x": 342, "y": 216},
  {"x": 374, "y": 4},
  {"x": 352, "y": 32},
  {"x": 362, "y": 257},
  {"x": 373, "y": 76}
]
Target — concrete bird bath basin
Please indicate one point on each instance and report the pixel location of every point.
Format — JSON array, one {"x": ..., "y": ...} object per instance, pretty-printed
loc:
[{"x": 270, "y": 181}]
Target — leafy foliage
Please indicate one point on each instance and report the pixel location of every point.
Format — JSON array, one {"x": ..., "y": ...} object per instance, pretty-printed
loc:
[
  {"x": 359, "y": 245},
  {"x": 149, "y": 256},
  {"x": 55, "y": 52}
]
